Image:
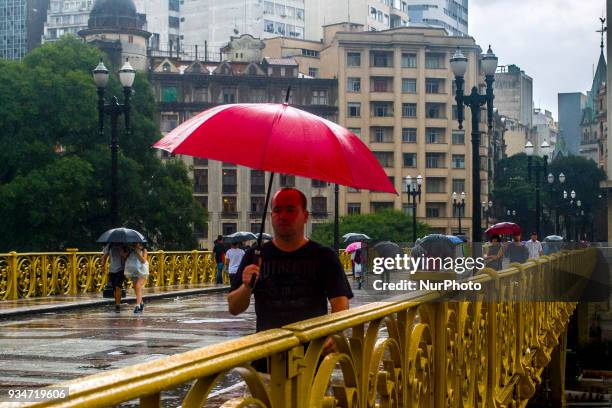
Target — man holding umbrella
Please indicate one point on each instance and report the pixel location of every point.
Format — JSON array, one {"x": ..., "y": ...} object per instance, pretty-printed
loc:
[
  {"x": 295, "y": 277},
  {"x": 117, "y": 254}
]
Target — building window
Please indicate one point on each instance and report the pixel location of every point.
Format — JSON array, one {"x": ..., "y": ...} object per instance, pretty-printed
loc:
[
  {"x": 458, "y": 137},
  {"x": 409, "y": 159},
  {"x": 200, "y": 180},
  {"x": 168, "y": 121},
  {"x": 319, "y": 98},
  {"x": 269, "y": 26},
  {"x": 435, "y": 135},
  {"x": 203, "y": 200},
  {"x": 434, "y": 85},
  {"x": 258, "y": 182},
  {"x": 228, "y": 96},
  {"x": 319, "y": 207},
  {"x": 381, "y": 59},
  {"x": 313, "y": 72},
  {"x": 354, "y": 109},
  {"x": 458, "y": 185},
  {"x": 306, "y": 52},
  {"x": 382, "y": 109},
  {"x": 409, "y": 110},
  {"x": 199, "y": 161},
  {"x": 229, "y": 181},
  {"x": 353, "y": 208},
  {"x": 287, "y": 180},
  {"x": 434, "y": 160},
  {"x": 435, "y": 210},
  {"x": 168, "y": 94},
  {"x": 354, "y": 84},
  {"x": 257, "y": 205},
  {"x": 407, "y": 209},
  {"x": 173, "y": 22},
  {"x": 379, "y": 134},
  {"x": 409, "y": 85},
  {"x": 408, "y": 60},
  {"x": 230, "y": 205},
  {"x": 435, "y": 185},
  {"x": 318, "y": 183},
  {"x": 435, "y": 110},
  {"x": 409, "y": 135},
  {"x": 353, "y": 59},
  {"x": 228, "y": 228},
  {"x": 256, "y": 227},
  {"x": 435, "y": 60},
  {"x": 376, "y": 206},
  {"x": 356, "y": 131},
  {"x": 381, "y": 84},
  {"x": 200, "y": 95},
  {"x": 384, "y": 158},
  {"x": 173, "y": 5}
]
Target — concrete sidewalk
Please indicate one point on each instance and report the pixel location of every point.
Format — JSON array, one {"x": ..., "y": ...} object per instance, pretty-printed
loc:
[{"x": 37, "y": 305}]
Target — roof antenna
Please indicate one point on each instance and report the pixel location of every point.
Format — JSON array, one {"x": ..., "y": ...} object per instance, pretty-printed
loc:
[{"x": 602, "y": 31}]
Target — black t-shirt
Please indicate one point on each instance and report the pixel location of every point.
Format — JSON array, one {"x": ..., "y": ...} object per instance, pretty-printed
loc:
[
  {"x": 218, "y": 250},
  {"x": 294, "y": 286}
]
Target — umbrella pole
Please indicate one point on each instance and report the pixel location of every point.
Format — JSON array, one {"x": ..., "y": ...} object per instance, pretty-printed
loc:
[{"x": 261, "y": 229}]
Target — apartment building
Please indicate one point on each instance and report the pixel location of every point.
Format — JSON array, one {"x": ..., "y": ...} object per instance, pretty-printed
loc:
[{"x": 395, "y": 90}]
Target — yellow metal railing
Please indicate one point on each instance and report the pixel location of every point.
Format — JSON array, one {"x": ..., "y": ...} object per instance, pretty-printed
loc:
[
  {"x": 418, "y": 351},
  {"x": 26, "y": 275}
]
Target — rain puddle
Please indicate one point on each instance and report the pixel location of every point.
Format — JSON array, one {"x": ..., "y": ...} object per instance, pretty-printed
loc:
[{"x": 197, "y": 321}]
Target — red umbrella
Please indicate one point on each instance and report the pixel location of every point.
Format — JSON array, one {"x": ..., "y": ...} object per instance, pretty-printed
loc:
[
  {"x": 280, "y": 139},
  {"x": 503, "y": 228}
]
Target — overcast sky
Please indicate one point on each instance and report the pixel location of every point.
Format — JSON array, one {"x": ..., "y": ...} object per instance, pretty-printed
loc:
[{"x": 553, "y": 41}]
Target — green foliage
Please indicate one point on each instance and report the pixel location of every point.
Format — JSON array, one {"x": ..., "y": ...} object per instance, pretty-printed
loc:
[
  {"x": 512, "y": 189},
  {"x": 50, "y": 201},
  {"x": 386, "y": 225}
]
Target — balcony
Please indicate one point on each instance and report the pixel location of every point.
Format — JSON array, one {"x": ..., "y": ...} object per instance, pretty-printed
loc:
[
  {"x": 319, "y": 214},
  {"x": 229, "y": 215}
]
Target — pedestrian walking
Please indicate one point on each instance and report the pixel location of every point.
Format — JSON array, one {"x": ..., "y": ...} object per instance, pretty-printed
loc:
[
  {"x": 495, "y": 253},
  {"x": 233, "y": 257},
  {"x": 219, "y": 253},
  {"x": 137, "y": 269},
  {"x": 358, "y": 267},
  {"x": 295, "y": 276},
  {"x": 117, "y": 255},
  {"x": 515, "y": 250},
  {"x": 534, "y": 246}
]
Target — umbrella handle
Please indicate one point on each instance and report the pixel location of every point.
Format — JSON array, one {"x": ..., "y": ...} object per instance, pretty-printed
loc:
[{"x": 256, "y": 261}]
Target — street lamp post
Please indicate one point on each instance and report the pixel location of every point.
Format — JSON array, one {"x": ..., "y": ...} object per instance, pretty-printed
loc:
[
  {"x": 459, "y": 207},
  {"x": 545, "y": 148},
  {"x": 413, "y": 188},
  {"x": 114, "y": 110},
  {"x": 551, "y": 181},
  {"x": 486, "y": 211},
  {"x": 474, "y": 101}
]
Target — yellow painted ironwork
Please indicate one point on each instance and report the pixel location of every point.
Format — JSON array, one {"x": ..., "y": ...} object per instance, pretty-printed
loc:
[
  {"x": 26, "y": 275},
  {"x": 414, "y": 351}
]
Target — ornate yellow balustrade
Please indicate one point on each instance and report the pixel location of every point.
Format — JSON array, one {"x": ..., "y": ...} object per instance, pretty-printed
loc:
[
  {"x": 419, "y": 351},
  {"x": 24, "y": 275}
]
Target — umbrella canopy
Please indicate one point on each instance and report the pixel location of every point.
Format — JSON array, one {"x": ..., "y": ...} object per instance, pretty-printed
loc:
[
  {"x": 122, "y": 236},
  {"x": 280, "y": 139},
  {"x": 436, "y": 245},
  {"x": 265, "y": 236},
  {"x": 353, "y": 247},
  {"x": 355, "y": 237},
  {"x": 503, "y": 228},
  {"x": 553, "y": 238},
  {"x": 239, "y": 236}
]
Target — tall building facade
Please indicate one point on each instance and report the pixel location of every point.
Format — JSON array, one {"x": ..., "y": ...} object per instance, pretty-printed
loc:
[
  {"x": 21, "y": 26},
  {"x": 570, "y": 107},
  {"x": 452, "y": 15},
  {"x": 213, "y": 22},
  {"x": 395, "y": 90},
  {"x": 545, "y": 129},
  {"x": 163, "y": 22},
  {"x": 66, "y": 17},
  {"x": 373, "y": 15}
]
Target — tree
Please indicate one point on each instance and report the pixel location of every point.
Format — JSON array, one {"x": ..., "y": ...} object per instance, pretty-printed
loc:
[
  {"x": 513, "y": 191},
  {"x": 385, "y": 225},
  {"x": 51, "y": 200}
]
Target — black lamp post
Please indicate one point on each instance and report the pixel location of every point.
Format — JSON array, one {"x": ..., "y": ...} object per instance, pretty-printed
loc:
[
  {"x": 487, "y": 209},
  {"x": 459, "y": 207},
  {"x": 551, "y": 183},
  {"x": 568, "y": 208},
  {"x": 114, "y": 110},
  {"x": 474, "y": 101},
  {"x": 545, "y": 148},
  {"x": 413, "y": 188}
]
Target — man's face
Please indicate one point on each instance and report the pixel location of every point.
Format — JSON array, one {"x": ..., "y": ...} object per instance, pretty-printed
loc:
[
  {"x": 534, "y": 237},
  {"x": 517, "y": 238},
  {"x": 288, "y": 215}
]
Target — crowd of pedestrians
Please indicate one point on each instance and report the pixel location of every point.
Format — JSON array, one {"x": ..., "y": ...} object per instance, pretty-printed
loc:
[{"x": 514, "y": 251}]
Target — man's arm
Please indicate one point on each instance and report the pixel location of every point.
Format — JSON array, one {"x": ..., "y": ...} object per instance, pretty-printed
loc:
[
  {"x": 339, "y": 303},
  {"x": 239, "y": 299}
]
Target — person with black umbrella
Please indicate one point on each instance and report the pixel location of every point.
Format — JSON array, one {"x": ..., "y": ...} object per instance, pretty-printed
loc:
[
  {"x": 117, "y": 255},
  {"x": 295, "y": 276}
]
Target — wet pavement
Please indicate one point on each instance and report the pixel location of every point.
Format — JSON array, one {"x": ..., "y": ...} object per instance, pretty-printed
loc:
[{"x": 50, "y": 347}]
